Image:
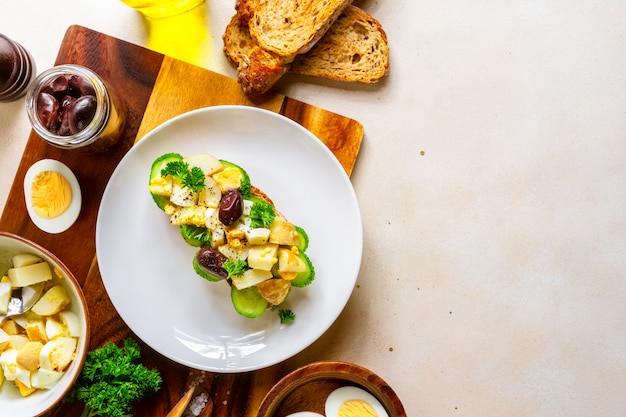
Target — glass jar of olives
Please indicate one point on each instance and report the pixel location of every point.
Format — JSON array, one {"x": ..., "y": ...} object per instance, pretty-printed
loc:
[
  {"x": 17, "y": 69},
  {"x": 71, "y": 107}
]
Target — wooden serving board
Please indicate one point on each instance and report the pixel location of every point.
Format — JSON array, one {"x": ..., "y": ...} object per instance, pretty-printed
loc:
[{"x": 154, "y": 88}]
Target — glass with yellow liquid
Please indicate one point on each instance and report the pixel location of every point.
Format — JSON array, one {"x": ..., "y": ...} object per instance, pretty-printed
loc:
[{"x": 162, "y": 8}]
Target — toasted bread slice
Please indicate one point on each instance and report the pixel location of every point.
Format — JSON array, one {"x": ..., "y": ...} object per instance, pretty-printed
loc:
[
  {"x": 291, "y": 27},
  {"x": 354, "y": 49}
]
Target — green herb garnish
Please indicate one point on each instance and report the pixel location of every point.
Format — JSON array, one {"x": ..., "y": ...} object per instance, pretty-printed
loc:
[
  {"x": 235, "y": 268},
  {"x": 112, "y": 379},
  {"x": 192, "y": 178},
  {"x": 262, "y": 214},
  {"x": 286, "y": 316}
]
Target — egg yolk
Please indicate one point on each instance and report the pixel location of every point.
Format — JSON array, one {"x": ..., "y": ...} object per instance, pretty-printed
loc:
[
  {"x": 356, "y": 408},
  {"x": 51, "y": 194}
]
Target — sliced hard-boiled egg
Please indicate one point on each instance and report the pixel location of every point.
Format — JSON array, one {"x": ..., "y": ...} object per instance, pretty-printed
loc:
[
  {"x": 52, "y": 194},
  {"x": 351, "y": 401}
]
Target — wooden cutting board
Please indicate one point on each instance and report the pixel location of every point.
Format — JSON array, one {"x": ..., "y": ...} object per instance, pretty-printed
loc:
[{"x": 154, "y": 88}]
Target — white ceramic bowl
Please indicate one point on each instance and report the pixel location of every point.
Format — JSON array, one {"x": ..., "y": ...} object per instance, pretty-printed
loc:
[{"x": 11, "y": 402}]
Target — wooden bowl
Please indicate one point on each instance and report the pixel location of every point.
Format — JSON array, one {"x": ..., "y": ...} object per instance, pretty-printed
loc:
[{"x": 307, "y": 388}]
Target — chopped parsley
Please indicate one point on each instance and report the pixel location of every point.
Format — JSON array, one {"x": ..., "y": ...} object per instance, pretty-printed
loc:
[
  {"x": 235, "y": 268},
  {"x": 262, "y": 214},
  {"x": 286, "y": 316},
  {"x": 192, "y": 178}
]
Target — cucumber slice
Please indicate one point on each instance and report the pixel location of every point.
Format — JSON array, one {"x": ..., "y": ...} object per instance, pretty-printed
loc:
[
  {"x": 306, "y": 277},
  {"x": 248, "y": 302},
  {"x": 195, "y": 236},
  {"x": 303, "y": 239},
  {"x": 155, "y": 172},
  {"x": 244, "y": 187}
]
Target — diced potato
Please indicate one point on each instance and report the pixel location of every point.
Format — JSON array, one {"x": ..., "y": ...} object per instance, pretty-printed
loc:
[
  {"x": 282, "y": 232},
  {"x": 24, "y": 259},
  {"x": 28, "y": 356},
  {"x": 274, "y": 290},
  {"x": 30, "y": 274},
  {"x": 250, "y": 277},
  {"x": 206, "y": 162},
  {"x": 4, "y": 340},
  {"x": 263, "y": 256},
  {"x": 5, "y": 296},
  {"x": 53, "y": 301},
  {"x": 290, "y": 261},
  {"x": 10, "y": 326},
  {"x": 36, "y": 330},
  {"x": 16, "y": 341}
]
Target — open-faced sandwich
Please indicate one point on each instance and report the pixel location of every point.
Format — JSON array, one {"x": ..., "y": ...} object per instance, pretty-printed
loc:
[{"x": 241, "y": 238}]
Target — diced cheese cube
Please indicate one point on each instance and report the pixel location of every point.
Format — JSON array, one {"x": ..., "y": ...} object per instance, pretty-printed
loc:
[
  {"x": 258, "y": 236},
  {"x": 211, "y": 195},
  {"x": 5, "y": 296},
  {"x": 250, "y": 278},
  {"x": 239, "y": 253},
  {"x": 262, "y": 256},
  {"x": 183, "y": 196},
  {"x": 30, "y": 274}
]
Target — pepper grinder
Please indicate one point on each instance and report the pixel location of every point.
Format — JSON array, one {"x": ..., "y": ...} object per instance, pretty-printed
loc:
[{"x": 17, "y": 69}]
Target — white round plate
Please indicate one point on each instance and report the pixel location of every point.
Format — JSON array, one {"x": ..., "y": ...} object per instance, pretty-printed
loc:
[{"x": 147, "y": 267}]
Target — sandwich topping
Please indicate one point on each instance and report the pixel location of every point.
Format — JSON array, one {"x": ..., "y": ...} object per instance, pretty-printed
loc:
[{"x": 241, "y": 237}]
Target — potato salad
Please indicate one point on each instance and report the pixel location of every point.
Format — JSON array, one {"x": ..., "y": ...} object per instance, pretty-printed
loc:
[{"x": 241, "y": 238}]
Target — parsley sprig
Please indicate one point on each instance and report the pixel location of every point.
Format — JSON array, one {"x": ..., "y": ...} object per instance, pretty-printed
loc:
[
  {"x": 192, "y": 178},
  {"x": 262, "y": 214},
  {"x": 235, "y": 267}
]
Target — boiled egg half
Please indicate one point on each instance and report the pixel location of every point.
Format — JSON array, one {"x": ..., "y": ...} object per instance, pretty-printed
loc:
[
  {"x": 52, "y": 194},
  {"x": 351, "y": 401}
]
